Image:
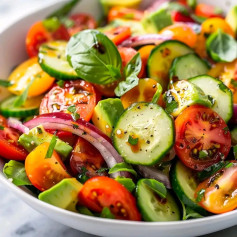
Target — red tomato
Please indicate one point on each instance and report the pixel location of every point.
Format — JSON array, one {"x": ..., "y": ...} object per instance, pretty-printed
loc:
[
  {"x": 81, "y": 21},
  {"x": 220, "y": 190},
  {"x": 124, "y": 13},
  {"x": 86, "y": 155},
  {"x": 119, "y": 34},
  {"x": 201, "y": 137},
  {"x": 79, "y": 93},
  {"x": 179, "y": 17},
  {"x": 38, "y": 35},
  {"x": 9, "y": 148},
  {"x": 126, "y": 54},
  {"x": 100, "y": 192},
  {"x": 43, "y": 172},
  {"x": 205, "y": 10}
]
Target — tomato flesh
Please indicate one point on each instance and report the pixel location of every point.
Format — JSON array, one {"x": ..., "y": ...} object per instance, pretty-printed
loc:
[
  {"x": 100, "y": 192},
  {"x": 43, "y": 172},
  {"x": 119, "y": 34},
  {"x": 202, "y": 137},
  {"x": 87, "y": 156},
  {"x": 220, "y": 191},
  {"x": 79, "y": 93}
]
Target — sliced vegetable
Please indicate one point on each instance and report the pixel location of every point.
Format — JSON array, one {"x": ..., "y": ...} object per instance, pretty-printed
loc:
[
  {"x": 122, "y": 167},
  {"x": 231, "y": 19},
  {"x": 127, "y": 183},
  {"x": 146, "y": 122}
]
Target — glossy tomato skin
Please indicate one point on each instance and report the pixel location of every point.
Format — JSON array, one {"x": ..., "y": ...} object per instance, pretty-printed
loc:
[
  {"x": 43, "y": 172},
  {"x": 81, "y": 21},
  {"x": 86, "y": 155},
  {"x": 9, "y": 147},
  {"x": 202, "y": 137},
  {"x": 179, "y": 17},
  {"x": 79, "y": 93},
  {"x": 220, "y": 190},
  {"x": 100, "y": 192}
]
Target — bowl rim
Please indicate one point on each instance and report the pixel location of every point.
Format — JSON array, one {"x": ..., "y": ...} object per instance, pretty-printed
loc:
[{"x": 32, "y": 199}]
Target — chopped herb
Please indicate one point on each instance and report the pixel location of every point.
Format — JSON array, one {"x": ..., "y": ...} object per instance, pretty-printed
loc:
[
  {"x": 1, "y": 127},
  {"x": 233, "y": 83},
  {"x": 51, "y": 147},
  {"x": 75, "y": 126},
  {"x": 126, "y": 182},
  {"x": 102, "y": 170},
  {"x": 51, "y": 24},
  {"x": 122, "y": 167},
  {"x": 156, "y": 186},
  {"x": 39, "y": 130},
  {"x": 106, "y": 213},
  {"x": 203, "y": 154},
  {"x": 84, "y": 210},
  {"x": 4, "y": 83},
  {"x": 211, "y": 99},
  {"x": 73, "y": 110},
  {"x": 133, "y": 141},
  {"x": 235, "y": 151},
  {"x": 222, "y": 87},
  {"x": 60, "y": 83},
  {"x": 156, "y": 96},
  {"x": 229, "y": 164},
  {"x": 82, "y": 177},
  {"x": 171, "y": 104},
  {"x": 200, "y": 194},
  {"x": 226, "y": 130}
]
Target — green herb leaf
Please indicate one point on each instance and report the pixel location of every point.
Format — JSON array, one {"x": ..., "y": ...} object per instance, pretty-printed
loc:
[
  {"x": 127, "y": 183},
  {"x": 229, "y": 165},
  {"x": 203, "y": 154},
  {"x": 211, "y": 99},
  {"x": 157, "y": 95},
  {"x": 226, "y": 130},
  {"x": 221, "y": 47},
  {"x": 51, "y": 147},
  {"x": 191, "y": 214},
  {"x": 64, "y": 10},
  {"x": 102, "y": 170},
  {"x": 94, "y": 57},
  {"x": 5, "y": 83},
  {"x": 67, "y": 22},
  {"x": 72, "y": 109},
  {"x": 60, "y": 83},
  {"x": 1, "y": 127},
  {"x": 156, "y": 186},
  {"x": 235, "y": 151},
  {"x": 82, "y": 177},
  {"x": 170, "y": 102},
  {"x": 16, "y": 171},
  {"x": 106, "y": 213},
  {"x": 51, "y": 24},
  {"x": 200, "y": 195},
  {"x": 133, "y": 141},
  {"x": 192, "y": 3},
  {"x": 222, "y": 87},
  {"x": 131, "y": 71},
  {"x": 123, "y": 167},
  {"x": 233, "y": 83},
  {"x": 84, "y": 210}
]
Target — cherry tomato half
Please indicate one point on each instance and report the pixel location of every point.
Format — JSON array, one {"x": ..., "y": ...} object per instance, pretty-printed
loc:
[
  {"x": 79, "y": 93},
  {"x": 81, "y": 21},
  {"x": 23, "y": 75},
  {"x": 86, "y": 155},
  {"x": 119, "y": 34},
  {"x": 124, "y": 13},
  {"x": 9, "y": 142},
  {"x": 38, "y": 35},
  {"x": 99, "y": 192},
  {"x": 201, "y": 137},
  {"x": 43, "y": 172},
  {"x": 220, "y": 190},
  {"x": 179, "y": 17},
  {"x": 208, "y": 11}
]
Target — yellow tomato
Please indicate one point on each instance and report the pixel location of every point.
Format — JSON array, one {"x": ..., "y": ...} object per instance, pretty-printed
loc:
[{"x": 23, "y": 75}]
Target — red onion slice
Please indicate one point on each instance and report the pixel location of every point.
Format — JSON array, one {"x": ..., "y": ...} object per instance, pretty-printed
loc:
[
  {"x": 153, "y": 173},
  {"x": 88, "y": 132},
  {"x": 16, "y": 124}
]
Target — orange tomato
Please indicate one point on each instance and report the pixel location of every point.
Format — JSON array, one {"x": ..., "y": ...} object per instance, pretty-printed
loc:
[
  {"x": 144, "y": 91},
  {"x": 119, "y": 34},
  {"x": 23, "y": 75},
  {"x": 181, "y": 32}
]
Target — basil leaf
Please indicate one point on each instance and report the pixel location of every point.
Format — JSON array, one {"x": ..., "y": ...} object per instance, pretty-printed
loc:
[
  {"x": 156, "y": 96},
  {"x": 60, "y": 83},
  {"x": 123, "y": 167},
  {"x": 156, "y": 186},
  {"x": 106, "y": 213},
  {"x": 192, "y": 3},
  {"x": 16, "y": 171},
  {"x": 73, "y": 110},
  {"x": 191, "y": 214},
  {"x": 134, "y": 66},
  {"x": 84, "y": 211},
  {"x": 221, "y": 47},
  {"x": 200, "y": 194},
  {"x": 94, "y": 57},
  {"x": 51, "y": 24},
  {"x": 51, "y": 147},
  {"x": 203, "y": 154},
  {"x": 132, "y": 141},
  {"x": 64, "y": 10},
  {"x": 127, "y": 183},
  {"x": 5, "y": 83}
]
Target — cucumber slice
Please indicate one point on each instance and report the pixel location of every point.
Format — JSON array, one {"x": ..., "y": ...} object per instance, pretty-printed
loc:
[
  {"x": 183, "y": 94},
  {"x": 222, "y": 95},
  {"x": 187, "y": 66},
  {"x": 143, "y": 134},
  {"x": 161, "y": 58},
  {"x": 52, "y": 60},
  {"x": 153, "y": 207},
  {"x": 234, "y": 136},
  {"x": 31, "y": 107},
  {"x": 184, "y": 184}
]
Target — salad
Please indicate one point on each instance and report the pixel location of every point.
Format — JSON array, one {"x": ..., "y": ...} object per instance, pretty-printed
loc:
[{"x": 132, "y": 117}]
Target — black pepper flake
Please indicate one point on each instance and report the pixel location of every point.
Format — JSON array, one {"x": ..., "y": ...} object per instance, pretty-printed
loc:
[
  {"x": 217, "y": 186},
  {"x": 148, "y": 142}
]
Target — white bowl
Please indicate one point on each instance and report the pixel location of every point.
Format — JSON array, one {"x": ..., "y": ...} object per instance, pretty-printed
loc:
[{"x": 12, "y": 52}]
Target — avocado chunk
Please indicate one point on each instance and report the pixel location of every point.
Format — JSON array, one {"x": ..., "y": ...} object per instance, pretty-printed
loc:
[
  {"x": 231, "y": 19},
  {"x": 64, "y": 194},
  {"x": 37, "y": 136},
  {"x": 156, "y": 21},
  {"x": 106, "y": 114}
]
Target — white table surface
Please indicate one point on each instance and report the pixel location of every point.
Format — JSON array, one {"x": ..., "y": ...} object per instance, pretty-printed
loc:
[{"x": 16, "y": 218}]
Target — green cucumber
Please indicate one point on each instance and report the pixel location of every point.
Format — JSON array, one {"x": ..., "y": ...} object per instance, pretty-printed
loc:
[
  {"x": 184, "y": 183},
  {"x": 52, "y": 60},
  {"x": 161, "y": 58},
  {"x": 187, "y": 66},
  {"x": 221, "y": 94},
  {"x": 30, "y": 107},
  {"x": 183, "y": 94},
  {"x": 155, "y": 208},
  {"x": 143, "y": 134}
]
